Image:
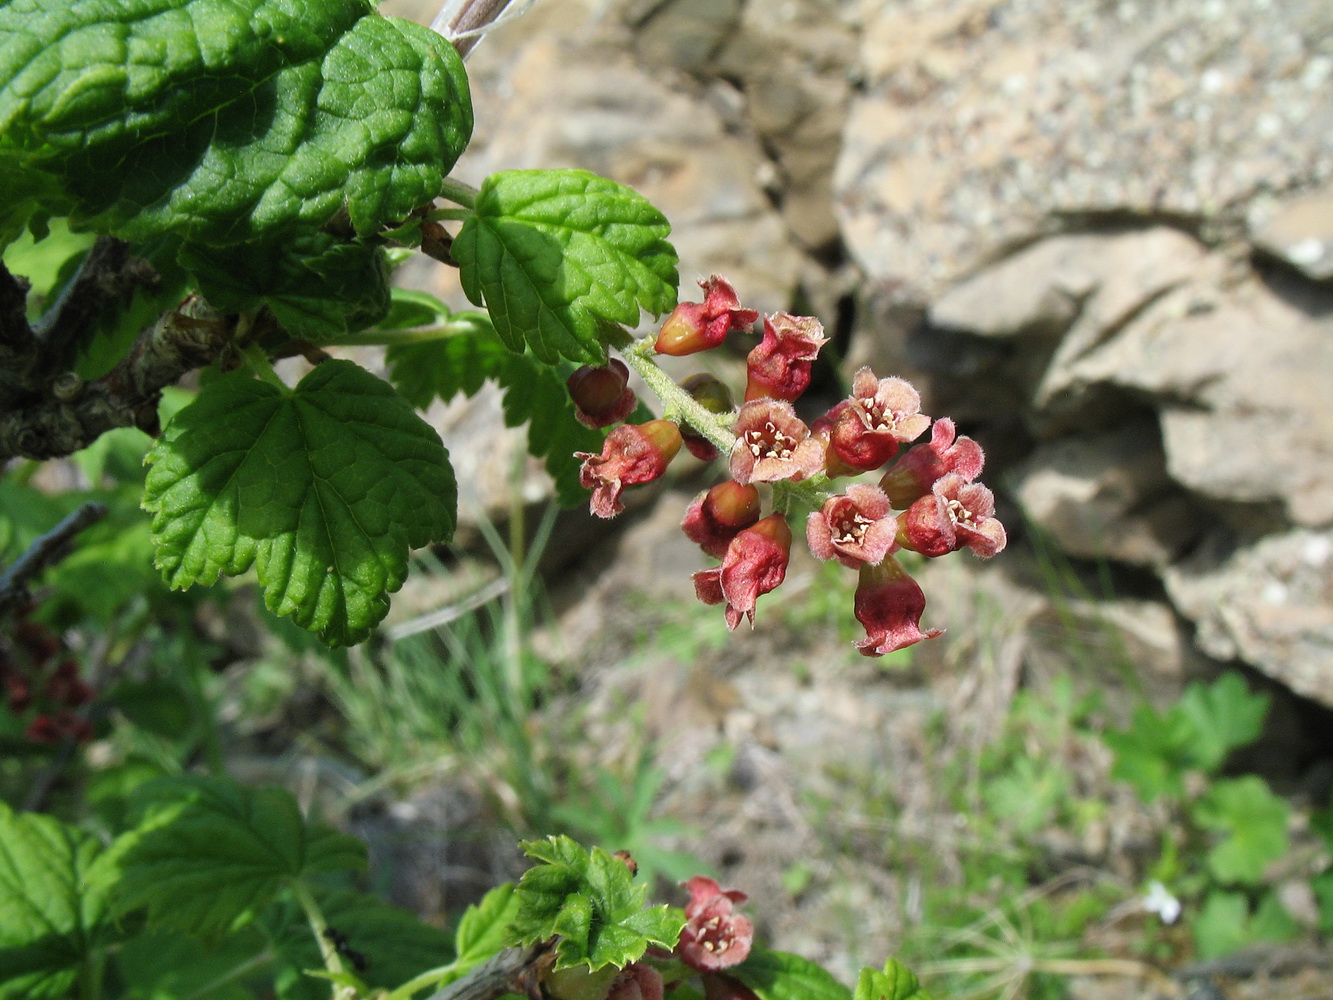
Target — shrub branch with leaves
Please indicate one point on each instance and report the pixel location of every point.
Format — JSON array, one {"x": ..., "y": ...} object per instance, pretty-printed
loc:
[{"x": 219, "y": 184}]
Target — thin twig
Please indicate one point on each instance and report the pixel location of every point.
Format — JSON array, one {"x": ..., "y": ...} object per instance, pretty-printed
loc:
[
  {"x": 514, "y": 970},
  {"x": 45, "y": 551},
  {"x": 464, "y": 22}
]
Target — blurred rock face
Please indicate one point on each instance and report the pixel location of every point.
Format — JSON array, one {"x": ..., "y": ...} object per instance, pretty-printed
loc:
[{"x": 1099, "y": 233}]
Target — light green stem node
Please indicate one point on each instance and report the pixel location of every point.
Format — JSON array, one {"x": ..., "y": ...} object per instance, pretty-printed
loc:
[{"x": 459, "y": 193}]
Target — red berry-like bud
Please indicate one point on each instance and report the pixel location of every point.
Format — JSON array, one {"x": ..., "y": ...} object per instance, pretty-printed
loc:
[
  {"x": 713, "y": 395},
  {"x": 600, "y": 394},
  {"x": 700, "y": 326},
  {"x": 65, "y": 688},
  {"x": 631, "y": 454},
  {"x": 718, "y": 516}
]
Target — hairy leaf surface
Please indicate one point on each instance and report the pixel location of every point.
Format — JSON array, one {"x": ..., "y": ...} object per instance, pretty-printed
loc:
[
  {"x": 221, "y": 120},
  {"x": 53, "y": 904},
  {"x": 558, "y": 256},
  {"x": 324, "y": 489}
]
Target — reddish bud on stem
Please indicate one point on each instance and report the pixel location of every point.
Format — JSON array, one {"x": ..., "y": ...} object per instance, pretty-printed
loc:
[{"x": 600, "y": 394}]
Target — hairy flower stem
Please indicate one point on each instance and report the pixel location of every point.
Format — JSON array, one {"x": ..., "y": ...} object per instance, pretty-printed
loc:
[
  {"x": 677, "y": 404},
  {"x": 680, "y": 406}
]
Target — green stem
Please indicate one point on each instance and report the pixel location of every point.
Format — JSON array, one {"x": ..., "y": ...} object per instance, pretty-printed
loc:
[
  {"x": 257, "y": 360},
  {"x": 428, "y": 978},
  {"x": 318, "y": 926},
  {"x": 393, "y": 338},
  {"x": 459, "y": 193}
]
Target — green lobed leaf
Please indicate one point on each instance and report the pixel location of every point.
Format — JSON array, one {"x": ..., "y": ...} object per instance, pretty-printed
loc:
[
  {"x": 559, "y": 256},
  {"x": 317, "y": 286},
  {"x": 1153, "y": 754},
  {"x": 1254, "y": 823},
  {"x": 483, "y": 929},
  {"x": 1226, "y": 716},
  {"x": 778, "y": 975},
  {"x": 225, "y": 121},
  {"x": 1220, "y": 928},
  {"x": 209, "y": 854},
  {"x": 590, "y": 900},
  {"x": 54, "y": 894},
  {"x": 323, "y": 488},
  {"x": 534, "y": 393},
  {"x": 896, "y": 982}
]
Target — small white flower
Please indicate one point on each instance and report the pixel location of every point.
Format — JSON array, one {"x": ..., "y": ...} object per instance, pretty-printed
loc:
[{"x": 1160, "y": 901}]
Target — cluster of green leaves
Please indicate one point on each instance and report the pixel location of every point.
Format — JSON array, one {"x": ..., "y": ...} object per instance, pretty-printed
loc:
[
  {"x": 205, "y": 894},
  {"x": 264, "y": 152},
  {"x": 219, "y": 892},
  {"x": 1238, "y": 826}
]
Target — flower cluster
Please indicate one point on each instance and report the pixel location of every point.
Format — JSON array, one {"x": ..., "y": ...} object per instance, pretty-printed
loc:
[
  {"x": 926, "y": 498},
  {"x": 42, "y": 684}
]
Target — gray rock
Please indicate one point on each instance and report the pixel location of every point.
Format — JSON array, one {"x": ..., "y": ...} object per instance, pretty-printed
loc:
[
  {"x": 1241, "y": 378},
  {"x": 982, "y": 124},
  {"x": 1267, "y": 602},
  {"x": 1107, "y": 496},
  {"x": 1299, "y": 230}
]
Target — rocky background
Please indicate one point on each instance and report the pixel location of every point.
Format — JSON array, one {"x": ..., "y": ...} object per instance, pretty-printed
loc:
[{"x": 1099, "y": 234}]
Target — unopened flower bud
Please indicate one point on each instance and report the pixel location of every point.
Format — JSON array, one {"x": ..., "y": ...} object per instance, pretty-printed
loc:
[
  {"x": 713, "y": 395},
  {"x": 600, "y": 394},
  {"x": 700, "y": 326},
  {"x": 718, "y": 516}
]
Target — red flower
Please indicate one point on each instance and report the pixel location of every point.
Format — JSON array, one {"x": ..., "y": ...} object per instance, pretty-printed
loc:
[
  {"x": 714, "y": 937},
  {"x": 864, "y": 431},
  {"x": 780, "y": 366},
  {"x": 699, "y": 326},
  {"x": 954, "y": 514},
  {"x": 889, "y": 604},
  {"x": 856, "y": 528},
  {"x": 772, "y": 443},
  {"x": 49, "y": 730},
  {"x": 915, "y": 473},
  {"x": 632, "y": 454},
  {"x": 719, "y": 515},
  {"x": 636, "y": 982},
  {"x": 755, "y": 563},
  {"x": 601, "y": 396}
]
